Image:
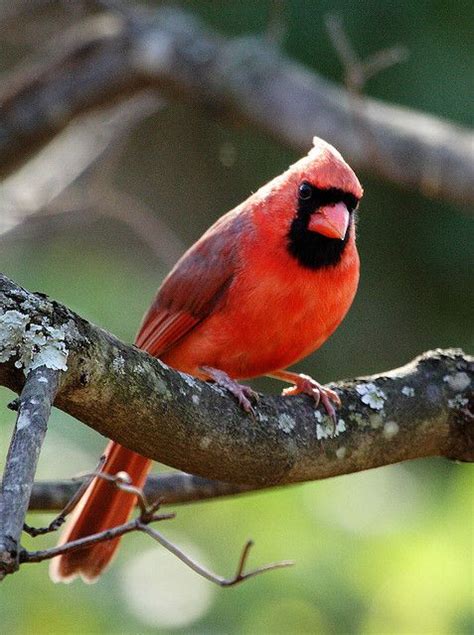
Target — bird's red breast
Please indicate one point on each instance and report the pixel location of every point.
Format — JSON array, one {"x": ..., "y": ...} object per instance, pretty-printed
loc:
[{"x": 255, "y": 293}]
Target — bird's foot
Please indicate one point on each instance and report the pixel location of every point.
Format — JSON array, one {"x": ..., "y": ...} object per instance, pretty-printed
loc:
[
  {"x": 304, "y": 384},
  {"x": 242, "y": 393}
]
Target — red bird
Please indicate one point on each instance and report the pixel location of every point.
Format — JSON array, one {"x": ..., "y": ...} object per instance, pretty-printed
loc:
[{"x": 265, "y": 286}]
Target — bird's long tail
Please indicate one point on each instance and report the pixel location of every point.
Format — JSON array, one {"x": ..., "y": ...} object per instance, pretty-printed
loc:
[{"x": 103, "y": 506}]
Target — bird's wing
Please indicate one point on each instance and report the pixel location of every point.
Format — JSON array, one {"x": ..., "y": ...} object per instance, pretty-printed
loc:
[{"x": 196, "y": 285}]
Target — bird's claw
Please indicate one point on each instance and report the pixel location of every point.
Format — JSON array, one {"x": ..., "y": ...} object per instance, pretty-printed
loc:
[
  {"x": 308, "y": 386},
  {"x": 244, "y": 394}
]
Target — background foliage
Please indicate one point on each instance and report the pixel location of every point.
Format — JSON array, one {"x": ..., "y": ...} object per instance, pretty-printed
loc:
[{"x": 388, "y": 551}]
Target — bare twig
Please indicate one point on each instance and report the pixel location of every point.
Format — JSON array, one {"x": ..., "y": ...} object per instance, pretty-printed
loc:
[
  {"x": 276, "y": 26},
  {"x": 122, "y": 481},
  {"x": 69, "y": 506},
  {"x": 33, "y": 413},
  {"x": 240, "y": 576},
  {"x": 88, "y": 541},
  {"x": 142, "y": 523},
  {"x": 356, "y": 74},
  {"x": 382, "y": 60},
  {"x": 357, "y": 71},
  {"x": 152, "y": 230},
  {"x": 73, "y": 175}
]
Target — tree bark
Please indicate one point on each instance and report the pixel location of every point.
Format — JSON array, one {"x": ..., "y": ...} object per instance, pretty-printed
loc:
[
  {"x": 422, "y": 409},
  {"x": 34, "y": 407}
]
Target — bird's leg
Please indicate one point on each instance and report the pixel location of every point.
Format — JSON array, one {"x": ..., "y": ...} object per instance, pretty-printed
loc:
[
  {"x": 308, "y": 386},
  {"x": 242, "y": 393}
]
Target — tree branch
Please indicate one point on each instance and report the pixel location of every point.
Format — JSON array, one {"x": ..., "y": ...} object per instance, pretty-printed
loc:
[
  {"x": 34, "y": 406},
  {"x": 172, "y": 488},
  {"x": 244, "y": 79},
  {"x": 422, "y": 409}
]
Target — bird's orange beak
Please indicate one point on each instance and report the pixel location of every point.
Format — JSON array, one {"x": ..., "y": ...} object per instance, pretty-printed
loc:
[{"x": 331, "y": 221}]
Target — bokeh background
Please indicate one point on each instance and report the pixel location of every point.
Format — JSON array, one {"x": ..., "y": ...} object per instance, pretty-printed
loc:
[{"x": 386, "y": 551}]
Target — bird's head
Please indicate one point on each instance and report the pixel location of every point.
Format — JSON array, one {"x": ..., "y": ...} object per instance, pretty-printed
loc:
[{"x": 325, "y": 193}]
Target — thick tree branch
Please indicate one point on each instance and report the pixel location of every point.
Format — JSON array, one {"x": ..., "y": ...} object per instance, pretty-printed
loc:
[
  {"x": 34, "y": 406},
  {"x": 422, "y": 409},
  {"x": 244, "y": 79}
]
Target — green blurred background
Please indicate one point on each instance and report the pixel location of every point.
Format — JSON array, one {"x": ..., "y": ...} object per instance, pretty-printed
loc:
[{"x": 387, "y": 551}]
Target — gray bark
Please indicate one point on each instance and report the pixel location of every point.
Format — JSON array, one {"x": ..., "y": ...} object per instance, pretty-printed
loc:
[
  {"x": 34, "y": 406},
  {"x": 422, "y": 409}
]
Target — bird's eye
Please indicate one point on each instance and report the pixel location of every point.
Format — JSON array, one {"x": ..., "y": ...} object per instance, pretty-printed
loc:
[{"x": 305, "y": 191}]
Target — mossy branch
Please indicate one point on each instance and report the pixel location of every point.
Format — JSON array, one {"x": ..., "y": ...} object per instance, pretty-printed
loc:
[{"x": 422, "y": 409}]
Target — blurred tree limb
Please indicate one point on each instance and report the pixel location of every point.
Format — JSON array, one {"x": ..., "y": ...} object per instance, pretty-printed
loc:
[
  {"x": 172, "y": 488},
  {"x": 422, "y": 409},
  {"x": 77, "y": 150},
  {"x": 245, "y": 79},
  {"x": 72, "y": 173}
]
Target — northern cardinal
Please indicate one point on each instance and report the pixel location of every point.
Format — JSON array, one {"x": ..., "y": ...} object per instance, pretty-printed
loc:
[{"x": 265, "y": 286}]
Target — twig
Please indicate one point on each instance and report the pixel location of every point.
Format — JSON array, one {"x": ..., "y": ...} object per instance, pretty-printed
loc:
[
  {"x": 147, "y": 515},
  {"x": 357, "y": 71},
  {"x": 67, "y": 157},
  {"x": 240, "y": 576},
  {"x": 79, "y": 165},
  {"x": 74, "y": 545},
  {"x": 356, "y": 74},
  {"x": 33, "y": 413},
  {"x": 60, "y": 519},
  {"x": 277, "y": 24},
  {"x": 383, "y": 60},
  {"x": 122, "y": 481},
  {"x": 151, "y": 230}
]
